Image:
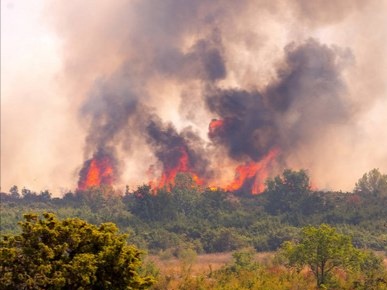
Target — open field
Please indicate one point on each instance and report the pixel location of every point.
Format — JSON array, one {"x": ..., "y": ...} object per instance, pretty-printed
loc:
[
  {"x": 198, "y": 264},
  {"x": 208, "y": 262},
  {"x": 202, "y": 263},
  {"x": 175, "y": 272}
]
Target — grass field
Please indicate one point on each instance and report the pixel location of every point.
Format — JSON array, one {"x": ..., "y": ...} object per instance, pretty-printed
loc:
[{"x": 175, "y": 272}]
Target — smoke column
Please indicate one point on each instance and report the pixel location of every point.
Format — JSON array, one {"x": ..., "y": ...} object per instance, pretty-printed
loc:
[{"x": 207, "y": 86}]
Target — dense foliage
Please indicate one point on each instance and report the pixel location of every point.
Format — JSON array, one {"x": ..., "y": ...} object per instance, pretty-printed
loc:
[
  {"x": 207, "y": 220},
  {"x": 322, "y": 250},
  {"x": 69, "y": 254}
]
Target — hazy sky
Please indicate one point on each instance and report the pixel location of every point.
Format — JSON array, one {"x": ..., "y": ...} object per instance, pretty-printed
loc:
[
  {"x": 35, "y": 121},
  {"x": 47, "y": 68}
]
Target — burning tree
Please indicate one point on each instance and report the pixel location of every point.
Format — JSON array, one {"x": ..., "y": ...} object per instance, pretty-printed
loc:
[{"x": 101, "y": 169}]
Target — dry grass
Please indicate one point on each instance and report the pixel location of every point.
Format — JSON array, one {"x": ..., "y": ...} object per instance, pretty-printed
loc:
[
  {"x": 176, "y": 272},
  {"x": 201, "y": 263},
  {"x": 198, "y": 265}
]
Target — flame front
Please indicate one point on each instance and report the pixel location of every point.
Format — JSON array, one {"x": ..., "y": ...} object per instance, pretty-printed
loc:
[
  {"x": 253, "y": 174},
  {"x": 250, "y": 176},
  {"x": 180, "y": 158},
  {"x": 170, "y": 171},
  {"x": 96, "y": 172}
]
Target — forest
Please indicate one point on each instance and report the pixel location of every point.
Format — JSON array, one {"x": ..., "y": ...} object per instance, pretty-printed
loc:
[{"x": 186, "y": 219}]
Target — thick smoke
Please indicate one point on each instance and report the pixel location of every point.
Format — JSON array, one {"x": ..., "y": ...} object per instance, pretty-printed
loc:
[
  {"x": 109, "y": 108},
  {"x": 156, "y": 73},
  {"x": 305, "y": 99},
  {"x": 172, "y": 148},
  {"x": 202, "y": 61},
  {"x": 248, "y": 127},
  {"x": 309, "y": 96}
]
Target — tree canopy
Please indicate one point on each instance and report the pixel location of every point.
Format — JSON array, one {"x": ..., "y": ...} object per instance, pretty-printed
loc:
[
  {"x": 212, "y": 220},
  {"x": 286, "y": 193},
  {"x": 372, "y": 183},
  {"x": 322, "y": 249},
  {"x": 69, "y": 254}
]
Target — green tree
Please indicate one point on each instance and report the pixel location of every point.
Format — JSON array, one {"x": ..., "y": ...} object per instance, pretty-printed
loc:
[
  {"x": 322, "y": 249},
  {"x": 14, "y": 192},
  {"x": 372, "y": 183},
  {"x": 69, "y": 254},
  {"x": 244, "y": 260},
  {"x": 372, "y": 272},
  {"x": 285, "y": 193},
  {"x": 151, "y": 206},
  {"x": 185, "y": 195}
]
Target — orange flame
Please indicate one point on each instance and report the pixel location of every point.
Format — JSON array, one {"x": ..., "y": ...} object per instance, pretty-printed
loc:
[
  {"x": 251, "y": 175},
  {"x": 168, "y": 176},
  {"x": 254, "y": 173},
  {"x": 214, "y": 127},
  {"x": 96, "y": 172}
]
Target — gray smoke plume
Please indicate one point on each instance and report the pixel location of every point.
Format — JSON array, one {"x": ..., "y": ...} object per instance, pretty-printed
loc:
[
  {"x": 177, "y": 150},
  {"x": 157, "y": 73},
  {"x": 249, "y": 129},
  {"x": 309, "y": 95},
  {"x": 305, "y": 99}
]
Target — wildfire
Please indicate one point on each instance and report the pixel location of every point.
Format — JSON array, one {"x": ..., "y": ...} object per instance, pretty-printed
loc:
[
  {"x": 97, "y": 171},
  {"x": 250, "y": 176},
  {"x": 214, "y": 126},
  {"x": 179, "y": 158},
  {"x": 253, "y": 174},
  {"x": 183, "y": 165}
]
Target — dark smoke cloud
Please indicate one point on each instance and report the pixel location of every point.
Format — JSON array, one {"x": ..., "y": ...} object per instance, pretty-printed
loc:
[
  {"x": 304, "y": 101},
  {"x": 249, "y": 129},
  {"x": 169, "y": 147},
  {"x": 311, "y": 72},
  {"x": 309, "y": 95}
]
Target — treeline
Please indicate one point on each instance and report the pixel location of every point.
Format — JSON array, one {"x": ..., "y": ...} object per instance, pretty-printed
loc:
[{"x": 206, "y": 220}]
